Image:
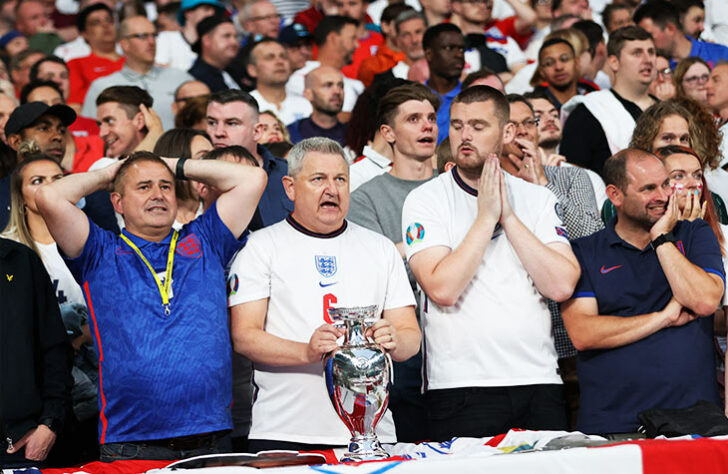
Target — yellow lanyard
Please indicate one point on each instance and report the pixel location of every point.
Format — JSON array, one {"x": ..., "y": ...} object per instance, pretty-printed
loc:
[{"x": 164, "y": 290}]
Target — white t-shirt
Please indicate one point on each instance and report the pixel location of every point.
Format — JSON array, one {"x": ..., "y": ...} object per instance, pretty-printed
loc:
[
  {"x": 717, "y": 180},
  {"x": 301, "y": 274},
  {"x": 77, "y": 48},
  {"x": 498, "y": 333},
  {"x": 352, "y": 87},
  {"x": 293, "y": 107},
  {"x": 65, "y": 286},
  {"x": 173, "y": 50},
  {"x": 373, "y": 164}
]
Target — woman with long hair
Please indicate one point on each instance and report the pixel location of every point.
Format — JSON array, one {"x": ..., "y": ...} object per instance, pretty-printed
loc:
[
  {"x": 27, "y": 226},
  {"x": 184, "y": 143},
  {"x": 691, "y": 79}
]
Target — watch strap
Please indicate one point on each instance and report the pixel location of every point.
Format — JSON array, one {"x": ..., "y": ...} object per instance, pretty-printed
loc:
[
  {"x": 180, "y": 169},
  {"x": 661, "y": 239}
]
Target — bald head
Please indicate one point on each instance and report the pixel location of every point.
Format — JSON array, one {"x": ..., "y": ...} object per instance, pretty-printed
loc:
[
  {"x": 322, "y": 74},
  {"x": 138, "y": 40},
  {"x": 325, "y": 90},
  {"x": 621, "y": 169}
]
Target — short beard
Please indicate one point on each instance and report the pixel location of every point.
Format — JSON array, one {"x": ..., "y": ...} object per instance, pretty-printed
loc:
[
  {"x": 550, "y": 143},
  {"x": 564, "y": 87}
]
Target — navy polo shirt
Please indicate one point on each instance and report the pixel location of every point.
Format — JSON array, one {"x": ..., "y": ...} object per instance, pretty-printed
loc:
[
  {"x": 672, "y": 368},
  {"x": 274, "y": 205}
]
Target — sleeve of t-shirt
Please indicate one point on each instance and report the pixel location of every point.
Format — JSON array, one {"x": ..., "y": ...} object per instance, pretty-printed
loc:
[
  {"x": 423, "y": 223},
  {"x": 584, "y": 142},
  {"x": 249, "y": 278},
  {"x": 549, "y": 226},
  {"x": 361, "y": 211},
  {"x": 216, "y": 235},
  {"x": 584, "y": 287},
  {"x": 77, "y": 89},
  {"x": 704, "y": 249},
  {"x": 399, "y": 291},
  {"x": 98, "y": 242}
]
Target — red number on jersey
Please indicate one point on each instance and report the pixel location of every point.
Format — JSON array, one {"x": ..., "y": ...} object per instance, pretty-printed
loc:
[{"x": 329, "y": 299}]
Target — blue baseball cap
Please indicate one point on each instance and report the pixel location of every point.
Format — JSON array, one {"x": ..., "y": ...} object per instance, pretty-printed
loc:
[{"x": 190, "y": 4}]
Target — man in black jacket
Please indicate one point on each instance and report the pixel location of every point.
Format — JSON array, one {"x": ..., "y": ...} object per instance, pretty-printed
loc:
[{"x": 35, "y": 359}]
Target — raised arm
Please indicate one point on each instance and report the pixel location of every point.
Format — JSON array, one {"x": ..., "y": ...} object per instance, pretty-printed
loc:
[
  {"x": 241, "y": 186},
  {"x": 250, "y": 338},
  {"x": 590, "y": 330},
  {"x": 444, "y": 273},
  {"x": 57, "y": 204},
  {"x": 552, "y": 267},
  {"x": 525, "y": 16}
]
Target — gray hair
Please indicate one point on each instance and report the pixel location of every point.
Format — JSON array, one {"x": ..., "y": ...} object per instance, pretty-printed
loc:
[
  {"x": 315, "y": 144},
  {"x": 407, "y": 15}
]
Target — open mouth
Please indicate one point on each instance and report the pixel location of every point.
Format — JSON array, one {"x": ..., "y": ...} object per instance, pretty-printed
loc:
[
  {"x": 157, "y": 208},
  {"x": 426, "y": 140},
  {"x": 330, "y": 205}
]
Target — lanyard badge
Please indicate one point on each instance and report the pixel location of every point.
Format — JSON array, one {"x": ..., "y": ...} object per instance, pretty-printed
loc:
[{"x": 164, "y": 290}]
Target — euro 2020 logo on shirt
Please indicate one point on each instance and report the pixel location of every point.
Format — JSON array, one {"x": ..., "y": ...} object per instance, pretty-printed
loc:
[
  {"x": 415, "y": 233},
  {"x": 232, "y": 284},
  {"x": 326, "y": 265}
]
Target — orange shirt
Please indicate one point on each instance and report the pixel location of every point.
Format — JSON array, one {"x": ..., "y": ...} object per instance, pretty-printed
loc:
[
  {"x": 384, "y": 60},
  {"x": 367, "y": 47}
]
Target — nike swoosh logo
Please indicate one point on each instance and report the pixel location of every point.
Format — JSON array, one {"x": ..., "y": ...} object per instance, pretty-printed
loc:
[
  {"x": 324, "y": 285},
  {"x": 607, "y": 270}
]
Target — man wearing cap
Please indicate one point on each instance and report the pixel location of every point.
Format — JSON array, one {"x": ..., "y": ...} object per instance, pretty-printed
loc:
[
  {"x": 173, "y": 47},
  {"x": 137, "y": 37},
  {"x": 217, "y": 45},
  {"x": 96, "y": 24},
  {"x": 298, "y": 43},
  {"x": 44, "y": 124}
]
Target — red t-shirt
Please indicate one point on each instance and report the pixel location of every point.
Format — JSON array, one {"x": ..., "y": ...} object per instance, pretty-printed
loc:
[
  {"x": 367, "y": 48},
  {"x": 84, "y": 127},
  {"x": 83, "y": 71},
  {"x": 508, "y": 28}
]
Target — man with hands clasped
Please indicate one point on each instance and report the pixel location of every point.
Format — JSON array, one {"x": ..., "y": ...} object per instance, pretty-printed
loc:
[
  {"x": 642, "y": 311},
  {"x": 280, "y": 288},
  {"x": 486, "y": 248}
]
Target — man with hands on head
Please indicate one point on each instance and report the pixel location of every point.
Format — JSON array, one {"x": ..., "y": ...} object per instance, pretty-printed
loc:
[
  {"x": 280, "y": 288},
  {"x": 486, "y": 248},
  {"x": 643, "y": 308},
  {"x": 161, "y": 282}
]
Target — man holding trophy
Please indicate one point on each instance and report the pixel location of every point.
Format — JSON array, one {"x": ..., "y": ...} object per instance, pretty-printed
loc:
[
  {"x": 281, "y": 287},
  {"x": 486, "y": 248}
]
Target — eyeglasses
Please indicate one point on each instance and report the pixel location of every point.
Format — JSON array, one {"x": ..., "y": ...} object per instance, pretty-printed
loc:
[
  {"x": 664, "y": 72},
  {"x": 141, "y": 36},
  {"x": 692, "y": 80},
  {"x": 275, "y": 16},
  {"x": 528, "y": 123}
]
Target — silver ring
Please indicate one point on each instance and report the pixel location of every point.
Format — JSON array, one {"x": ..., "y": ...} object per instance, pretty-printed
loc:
[{"x": 526, "y": 166}]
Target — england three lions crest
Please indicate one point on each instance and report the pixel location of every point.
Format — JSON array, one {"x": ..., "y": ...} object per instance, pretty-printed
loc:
[{"x": 326, "y": 265}]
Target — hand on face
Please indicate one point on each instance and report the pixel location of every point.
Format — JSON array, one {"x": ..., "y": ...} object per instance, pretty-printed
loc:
[
  {"x": 489, "y": 194},
  {"x": 668, "y": 220}
]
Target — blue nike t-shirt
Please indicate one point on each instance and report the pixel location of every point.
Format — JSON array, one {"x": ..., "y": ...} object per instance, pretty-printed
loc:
[
  {"x": 672, "y": 368},
  {"x": 161, "y": 376}
]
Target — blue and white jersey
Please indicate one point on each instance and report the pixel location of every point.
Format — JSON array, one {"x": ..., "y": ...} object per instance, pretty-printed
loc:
[{"x": 160, "y": 376}]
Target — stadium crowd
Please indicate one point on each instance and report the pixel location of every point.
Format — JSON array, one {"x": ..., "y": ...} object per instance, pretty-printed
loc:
[{"x": 532, "y": 192}]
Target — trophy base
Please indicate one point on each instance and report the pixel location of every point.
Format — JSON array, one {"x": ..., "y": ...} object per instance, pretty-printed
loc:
[{"x": 364, "y": 449}]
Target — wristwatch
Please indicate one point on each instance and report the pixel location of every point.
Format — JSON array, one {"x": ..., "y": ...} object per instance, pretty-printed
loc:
[
  {"x": 661, "y": 239},
  {"x": 51, "y": 423},
  {"x": 180, "y": 169}
]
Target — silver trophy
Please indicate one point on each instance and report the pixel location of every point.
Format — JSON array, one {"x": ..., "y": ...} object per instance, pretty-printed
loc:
[{"x": 358, "y": 374}]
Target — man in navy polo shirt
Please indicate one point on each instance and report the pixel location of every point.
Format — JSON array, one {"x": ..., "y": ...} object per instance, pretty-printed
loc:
[
  {"x": 641, "y": 314},
  {"x": 157, "y": 300}
]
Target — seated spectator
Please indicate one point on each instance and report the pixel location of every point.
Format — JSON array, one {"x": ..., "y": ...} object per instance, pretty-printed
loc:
[
  {"x": 259, "y": 19},
  {"x": 325, "y": 91},
  {"x": 13, "y": 43},
  {"x": 484, "y": 77},
  {"x": 616, "y": 16},
  {"x": 96, "y": 25},
  {"x": 599, "y": 124},
  {"x": 288, "y": 362},
  {"x": 193, "y": 114},
  {"x": 409, "y": 28},
  {"x": 217, "y": 46},
  {"x": 444, "y": 47},
  {"x": 563, "y": 15},
  {"x": 592, "y": 69},
  {"x": 664, "y": 85},
  {"x": 660, "y": 18},
  {"x": 122, "y": 122},
  {"x": 137, "y": 38},
  {"x": 436, "y": 11},
  {"x": 691, "y": 79},
  {"x": 90, "y": 254},
  {"x": 32, "y": 20},
  {"x": 561, "y": 72},
  {"x": 298, "y": 43},
  {"x": 663, "y": 276},
  {"x": 270, "y": 68},
  {"x": 388, "y": 54},
  {"x": 692, "y": 17},
  {"x": 272, "y": 129},
  {"x": 281, "y": 149},
  {"x": 717, "y": 93},
  {"x": 174, "y": 47}
]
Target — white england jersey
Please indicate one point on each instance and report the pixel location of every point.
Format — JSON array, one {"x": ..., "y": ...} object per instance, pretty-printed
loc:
[
  {"x": 498, "y": 333},
  {"x": 303, "y": 274}
]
